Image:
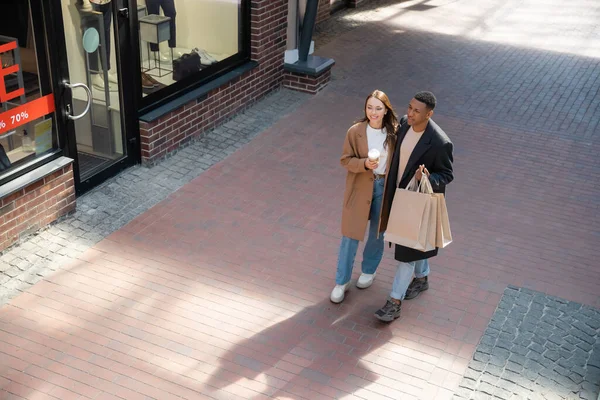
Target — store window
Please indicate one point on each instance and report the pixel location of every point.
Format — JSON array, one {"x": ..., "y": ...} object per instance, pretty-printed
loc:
[
  {"x": 27, "y": 123},
  {"x": 182, "y": 41}
]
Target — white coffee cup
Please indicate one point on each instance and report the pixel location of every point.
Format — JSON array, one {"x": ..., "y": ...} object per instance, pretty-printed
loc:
[{"x": 374, "y": 155}]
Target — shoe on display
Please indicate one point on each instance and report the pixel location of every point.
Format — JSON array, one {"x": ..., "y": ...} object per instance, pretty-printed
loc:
[
  {"x": 205, "y": 57},
  {"x": 389, "y": 312},
  {"x": 146, "y": 82},
  {"x": 365, "y": 280},
  {"x": 150, "y": 80},
  {"x": 338, "y": 293}
]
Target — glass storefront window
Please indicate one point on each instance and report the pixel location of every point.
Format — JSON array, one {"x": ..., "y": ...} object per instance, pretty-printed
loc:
[
  {"x": 182, "y": 38},
  {"x": 27, "y": 123}
]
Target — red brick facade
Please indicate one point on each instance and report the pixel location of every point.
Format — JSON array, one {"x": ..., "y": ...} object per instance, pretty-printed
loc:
[
  {"x": 268, "y": 43},
  {"x": 35, "y": 206},
  {"x": 306, "y": 83},
  {"x": 324, "y": 11}
]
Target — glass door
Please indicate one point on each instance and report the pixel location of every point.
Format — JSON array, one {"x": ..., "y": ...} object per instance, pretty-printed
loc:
[
  {"x": 91, "y": 44},
  {"x": 30, "y": 117}
]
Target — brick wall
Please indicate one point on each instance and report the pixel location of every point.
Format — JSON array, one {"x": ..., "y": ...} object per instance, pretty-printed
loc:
[
  {"x": 35, "y": 206},
  {"x": 268, "y": 42},
  {"x": 324, "y": 11},
  {"x": 306, "y": 83}
]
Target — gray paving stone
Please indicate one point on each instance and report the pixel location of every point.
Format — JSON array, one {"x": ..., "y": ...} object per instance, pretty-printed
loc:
[
  {"x": 117, "y": 201},
  {"x": 553, "y": 353},
  {"x": 481, "y": 356},
  {"x": 463, "y": 393},
  {"x": 514, "y": 367},
  {"x": 494, "y": 370},
  {"x": 468, "y": 383},
  {"x": 536, "y": 347},
  {"x": 518, "y": 359}
]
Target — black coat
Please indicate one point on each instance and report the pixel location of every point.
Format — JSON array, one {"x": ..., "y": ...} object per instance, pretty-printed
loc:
[{"x": 434, "y": 150}]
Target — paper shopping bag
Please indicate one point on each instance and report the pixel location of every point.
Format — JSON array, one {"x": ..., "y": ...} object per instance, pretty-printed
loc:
[
  {"x": 411, "y": 218},
  {"x": 432, "y": 223},
  {"x": 443, "y": 234}
]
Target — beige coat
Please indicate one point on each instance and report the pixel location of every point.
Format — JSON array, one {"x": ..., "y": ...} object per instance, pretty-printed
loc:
[{"x": 359, "y": 182}]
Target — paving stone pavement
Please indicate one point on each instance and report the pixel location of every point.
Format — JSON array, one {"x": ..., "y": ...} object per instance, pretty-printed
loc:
[
  {"x": 221, "y": 291},
  {"x": 119, "y": 200},
  {"x": 536, "y": 347},
  {"x": 348, "y": 19}
]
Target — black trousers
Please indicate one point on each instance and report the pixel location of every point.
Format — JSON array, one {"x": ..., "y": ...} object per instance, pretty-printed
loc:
[{"x": 168, "y": 7}]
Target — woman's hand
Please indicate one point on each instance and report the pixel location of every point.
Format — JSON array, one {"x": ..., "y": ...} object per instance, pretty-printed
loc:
[{"x": 371, "y": 164}]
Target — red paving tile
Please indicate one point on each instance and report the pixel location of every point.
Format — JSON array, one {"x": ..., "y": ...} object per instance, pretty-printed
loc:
[{"x": 221, "y": 291}]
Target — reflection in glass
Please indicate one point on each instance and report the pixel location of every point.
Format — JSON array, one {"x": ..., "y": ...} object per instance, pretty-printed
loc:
[{"x": 30, "y": 137}]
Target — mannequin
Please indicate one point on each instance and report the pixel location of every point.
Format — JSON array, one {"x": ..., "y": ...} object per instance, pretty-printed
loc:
[
  {"x": 104, "y": 7},
  {"x": 168, "y": 8}
]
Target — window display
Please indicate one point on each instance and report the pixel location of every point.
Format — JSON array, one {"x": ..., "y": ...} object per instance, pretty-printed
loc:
[
  {"x": 26, "y": 114},
  {"x": 180, "y": 38}
]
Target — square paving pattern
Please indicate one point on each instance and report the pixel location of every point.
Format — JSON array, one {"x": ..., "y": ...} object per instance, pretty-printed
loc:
[
  {"x": 220, "y": 289},
  {"x": 536, "y": 347}
]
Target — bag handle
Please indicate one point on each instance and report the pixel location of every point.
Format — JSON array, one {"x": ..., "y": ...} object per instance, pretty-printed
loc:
[{"x": 424, "y": 186}]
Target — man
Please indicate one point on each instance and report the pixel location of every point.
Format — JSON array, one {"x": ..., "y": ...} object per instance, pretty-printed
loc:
[{"x": 422, "y": 147}]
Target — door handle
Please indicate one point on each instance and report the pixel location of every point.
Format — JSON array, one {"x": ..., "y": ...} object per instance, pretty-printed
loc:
[{"x": 89, "y": 100}]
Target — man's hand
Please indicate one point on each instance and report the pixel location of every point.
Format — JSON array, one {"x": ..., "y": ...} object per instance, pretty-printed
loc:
[
  {"x": 371, "y": 164},
  {"x": 420, "y": 171}
]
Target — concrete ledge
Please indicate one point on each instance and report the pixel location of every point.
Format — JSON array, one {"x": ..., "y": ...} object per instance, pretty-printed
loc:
[
  {"x": 199, "y": 93},
  {"x": 313, "y": 66},
  {"x": 31, "y": 177}
]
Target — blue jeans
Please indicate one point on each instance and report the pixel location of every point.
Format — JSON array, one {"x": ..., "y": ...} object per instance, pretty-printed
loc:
[
  {"x": 404, "y": 275},
  {"x": 373, "y": 252}
]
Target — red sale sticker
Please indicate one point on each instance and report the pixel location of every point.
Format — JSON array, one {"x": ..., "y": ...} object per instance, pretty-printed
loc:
[
  {"x": 20, "y": 115},
  {"x": 24, "y": 113}
]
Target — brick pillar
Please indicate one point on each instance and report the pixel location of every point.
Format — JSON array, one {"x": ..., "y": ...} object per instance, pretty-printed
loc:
[
  {"x": 268, "y": 41},
  {"x": 324, "y": 11},
  {"x": 306, "y": 83}
]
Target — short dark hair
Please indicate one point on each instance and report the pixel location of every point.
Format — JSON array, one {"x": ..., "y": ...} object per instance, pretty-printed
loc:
[{"x": 426, "y": 97}]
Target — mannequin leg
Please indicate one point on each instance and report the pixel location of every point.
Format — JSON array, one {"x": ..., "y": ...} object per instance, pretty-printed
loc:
[
  {"x": 153, "y": 7},
  {"x": 168, "y": 7},
  {"x": 97, "y": 78}
]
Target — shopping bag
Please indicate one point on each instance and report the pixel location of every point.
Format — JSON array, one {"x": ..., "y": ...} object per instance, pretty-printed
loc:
[
  {"x": 443, "y": 233},
  {"x": 413, "y": 217}
]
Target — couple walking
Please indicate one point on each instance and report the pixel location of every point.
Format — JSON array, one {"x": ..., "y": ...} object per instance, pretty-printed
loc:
[{"x": 412, "y": 146}]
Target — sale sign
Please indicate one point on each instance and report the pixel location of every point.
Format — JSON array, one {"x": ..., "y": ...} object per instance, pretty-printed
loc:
[{"x": 20, "y": 115}]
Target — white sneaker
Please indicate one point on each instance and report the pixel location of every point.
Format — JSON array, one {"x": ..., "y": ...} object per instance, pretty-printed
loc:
[
  {"x": 338, "y": 293},
  {"x": 365, "y": 280}
]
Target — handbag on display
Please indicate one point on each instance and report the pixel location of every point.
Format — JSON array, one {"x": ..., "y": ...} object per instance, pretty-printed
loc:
[
  {"x": 4, "y": 161},
  {"x": 186, "y": 65}
]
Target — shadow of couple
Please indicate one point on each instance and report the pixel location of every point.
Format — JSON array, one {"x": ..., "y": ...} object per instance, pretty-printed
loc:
[{"x": 315, "y": 353}]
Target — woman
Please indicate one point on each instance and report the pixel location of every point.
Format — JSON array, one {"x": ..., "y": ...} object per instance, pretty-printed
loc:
[{"x": 364, "y": 190}]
